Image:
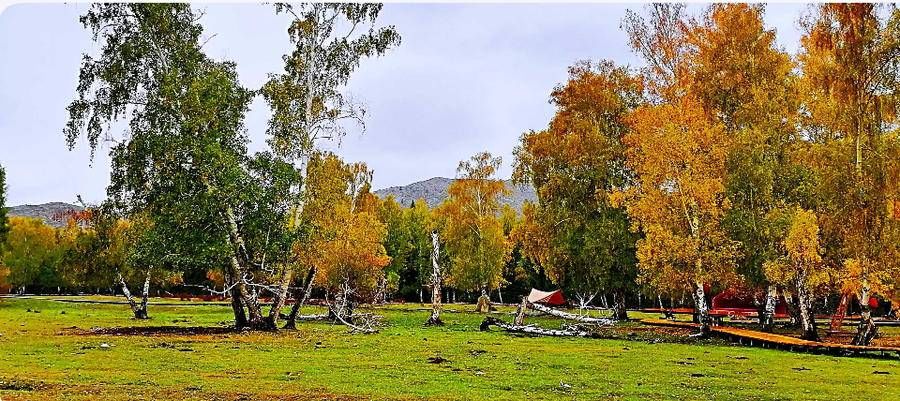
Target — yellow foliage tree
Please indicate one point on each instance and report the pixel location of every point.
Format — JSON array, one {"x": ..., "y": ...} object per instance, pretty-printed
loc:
[
  {"x": 678, "y": 199},
  {"x": 850, "y": 87},
  {"x": 801, "y": 268},
  {"x": 472, "y": 232},
  {"x": 345, "y": 241}
]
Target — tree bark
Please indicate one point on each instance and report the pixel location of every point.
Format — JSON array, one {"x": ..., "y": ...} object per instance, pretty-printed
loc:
[
  {"x": 279, "y": 298},
  {"x": 767, "y": 318},
  {"x": 237, "y": 305},
  {"x": 381, "y": 294},
  {"x": 807, "y": 316},
  {"x": 249, "y": 300},
  {"x": 866, "y": 331},
  {"x": 139, "y": 310},
  {"x": 300, "y": 297},
  {"x": 520, "y": 312},
  {"x": 620, "y": 310},
  {"x": 702, "y": 308},
  {"x": 435, "y": 318},
  {"x": 484, "y": 303},
  {"x": 530, "y": 329},
  {"x": 342, "y": 308},
  {"x": 570, "y": 316},
  {"x": 145, "y": 295}
]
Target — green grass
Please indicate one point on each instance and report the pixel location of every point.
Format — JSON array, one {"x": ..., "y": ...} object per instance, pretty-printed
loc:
[{"x": 48, "y": 355}]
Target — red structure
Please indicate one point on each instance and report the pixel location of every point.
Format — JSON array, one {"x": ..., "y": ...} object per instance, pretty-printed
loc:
[{"x": 743, "y": 303}]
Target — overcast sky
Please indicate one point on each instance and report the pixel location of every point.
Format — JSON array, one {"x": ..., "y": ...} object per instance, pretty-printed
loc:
[{"x": 467, "y": 78}]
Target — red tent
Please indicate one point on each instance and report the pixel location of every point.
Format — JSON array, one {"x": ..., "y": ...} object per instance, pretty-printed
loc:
[{"x": 547, "y": 298}]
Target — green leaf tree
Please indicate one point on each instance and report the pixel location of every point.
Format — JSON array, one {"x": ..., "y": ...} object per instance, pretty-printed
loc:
[{"x": 574, "y": 165}]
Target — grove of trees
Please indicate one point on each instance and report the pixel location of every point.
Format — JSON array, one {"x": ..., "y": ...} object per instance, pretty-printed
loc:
[{"x": 724, "y": 162}]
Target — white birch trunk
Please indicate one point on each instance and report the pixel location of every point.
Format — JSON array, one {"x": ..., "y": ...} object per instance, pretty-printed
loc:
[{"x": 435, "y": 318}]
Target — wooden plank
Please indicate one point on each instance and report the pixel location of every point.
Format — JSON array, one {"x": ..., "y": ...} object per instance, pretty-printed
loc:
[{"x": 750, "y": 336}]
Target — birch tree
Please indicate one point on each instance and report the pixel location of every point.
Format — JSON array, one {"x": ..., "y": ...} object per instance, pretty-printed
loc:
[
  {"x": 801, "y": 269},
  {"x": 745, "y": 82},
  {"x": 678, "y": 200},
  {"x": 183, "y": 159},
  {"x": 851, "y": 72},
  {"x": 4, "y": 219},
  {"x": 472, "y": 233}
]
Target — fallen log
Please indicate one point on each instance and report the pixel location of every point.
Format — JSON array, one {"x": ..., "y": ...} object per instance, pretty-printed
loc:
[
  {"x": 571, "y": 316},
  {"x": 532, "y": 329},
  {"x": 323, "y": 316}
]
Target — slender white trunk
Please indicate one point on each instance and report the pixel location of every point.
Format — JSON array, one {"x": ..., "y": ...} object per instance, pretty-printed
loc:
[
  {"x": 702, "y": 309},
  {"x": 866, "y": 331},
  {"x": 435, "y": 318},
  {"x": 768, "y": 318},
  {"x": 807, "y": 317},
  {"x": 139, "y": 310}
]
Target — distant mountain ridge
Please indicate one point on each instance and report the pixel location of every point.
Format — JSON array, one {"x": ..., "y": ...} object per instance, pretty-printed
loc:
[
  {"x": 434, "y": 191},
  {"x": 49, "y": 212}
]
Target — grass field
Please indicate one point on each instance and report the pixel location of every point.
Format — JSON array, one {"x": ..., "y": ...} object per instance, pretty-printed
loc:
[{"x": 48, "y": 352}]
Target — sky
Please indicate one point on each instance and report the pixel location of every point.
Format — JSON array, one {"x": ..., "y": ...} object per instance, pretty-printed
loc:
[{"x": 466, "y": 78}]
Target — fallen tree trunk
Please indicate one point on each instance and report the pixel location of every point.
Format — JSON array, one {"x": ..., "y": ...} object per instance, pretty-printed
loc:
[
  {"x": 306, "y": 318},
  {"x": 367, "y": 327},
  {"x": 571, "y": 316},
  {"x": 531, "y": 329}
]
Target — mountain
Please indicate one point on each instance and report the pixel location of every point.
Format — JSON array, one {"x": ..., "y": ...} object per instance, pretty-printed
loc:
[
  {"x": 434, "y": 191},
  {"x": 49, "y": 212}
]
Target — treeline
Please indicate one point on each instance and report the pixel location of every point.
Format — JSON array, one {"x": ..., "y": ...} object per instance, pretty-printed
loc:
[{"x": 724, "y": 163}]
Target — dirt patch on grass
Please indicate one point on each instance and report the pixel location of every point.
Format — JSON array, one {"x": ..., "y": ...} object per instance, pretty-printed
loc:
[
  {"x": 651, "y": 334},
  {"x": 155, "y": 331},
  {"x": 21, "y": 385},
  {"x": 55, "y": 391}
]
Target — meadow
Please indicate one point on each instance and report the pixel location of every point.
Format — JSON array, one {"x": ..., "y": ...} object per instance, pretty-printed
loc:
[{"x": 54, "y": 350}]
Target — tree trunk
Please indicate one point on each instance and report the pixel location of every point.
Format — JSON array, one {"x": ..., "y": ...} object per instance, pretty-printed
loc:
[
  {"x": 435, "y": 318},
  {"x": 492, "y": 321},
  {"x": 484, "y": 303},
  {"x": 520, "y": 312},
  {"x": 866, "y": 331},
  {"x": 279, "y": 298},
  {"x": 254, "y": 316},
  {"x": 620, "y": 310},
  {"x": 342, "y": 309},
  {"x": 702, "y": 309},
  {"x": 767, "y": 318},
  {"x": 570, "y": 316},
  {"x": 381, "y": 294},
  {"x": 807, "y": 315},
  {"x": 300, "y": 298},
  {"x": 139, "y": 310},
  {"x": 237, "y": 304},
  {"x": 145, "y": 296}
]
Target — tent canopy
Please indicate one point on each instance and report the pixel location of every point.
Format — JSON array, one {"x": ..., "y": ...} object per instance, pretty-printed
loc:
[{"x": 547, "y": 298}]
